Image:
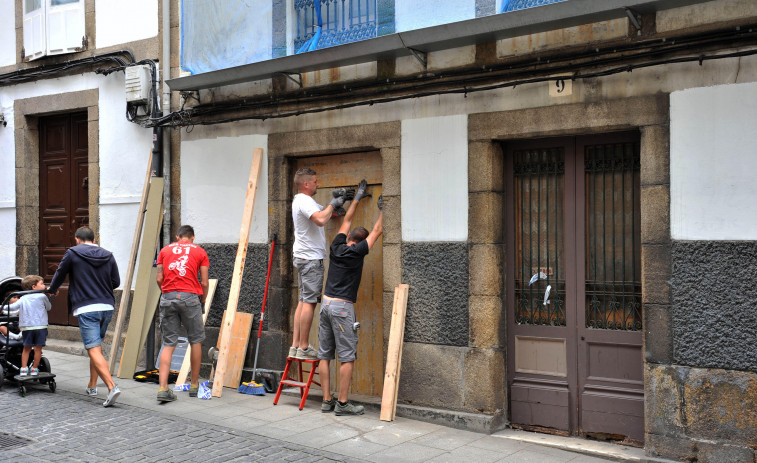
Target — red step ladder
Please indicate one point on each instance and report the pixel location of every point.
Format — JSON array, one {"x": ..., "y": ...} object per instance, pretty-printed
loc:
[{"x": 303, "y": 385}]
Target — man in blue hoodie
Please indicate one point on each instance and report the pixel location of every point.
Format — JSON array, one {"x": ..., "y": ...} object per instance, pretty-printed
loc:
[{"x": 92, "y": 277}]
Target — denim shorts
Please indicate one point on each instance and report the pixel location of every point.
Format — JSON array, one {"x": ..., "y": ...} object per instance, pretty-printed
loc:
[
  {"x": 336, "y": 332},
  {"x": 181, "y": 309},
  {"x": 34, "y": 337},
  {"x": 92, "y": 326},
  {"x": 309, "y": 279}
]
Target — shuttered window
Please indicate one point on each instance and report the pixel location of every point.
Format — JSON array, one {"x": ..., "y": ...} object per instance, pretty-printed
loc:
[{"x": 53, "y": 27}]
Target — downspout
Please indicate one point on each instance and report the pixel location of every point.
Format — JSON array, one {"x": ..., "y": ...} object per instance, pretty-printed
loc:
[{"x": 166, "y": 62}]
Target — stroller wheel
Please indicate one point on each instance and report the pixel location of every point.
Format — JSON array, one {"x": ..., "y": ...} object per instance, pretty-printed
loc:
[
  {"x": 22, "y": 391},
  {"x": 2, "y": 376},
  {"x": 52, "y": 386},
  {"x": 44, "y": 365}
]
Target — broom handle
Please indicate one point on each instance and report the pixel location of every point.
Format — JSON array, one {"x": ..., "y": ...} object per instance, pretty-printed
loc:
[{"x": 262, "y": 311}]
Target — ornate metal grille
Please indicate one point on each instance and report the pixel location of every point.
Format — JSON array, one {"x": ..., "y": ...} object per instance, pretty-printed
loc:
[
  {"x": 540, "y": 251},
  {"x": 512, "y": 5},
  {"x": 344, "y": 21},
  {"x": 613, "y": 257}
]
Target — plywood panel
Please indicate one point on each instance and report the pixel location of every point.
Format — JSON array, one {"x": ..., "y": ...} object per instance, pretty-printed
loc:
[
  {"x": 347, "y": 171},
  {"x": 240, "y": 337}
]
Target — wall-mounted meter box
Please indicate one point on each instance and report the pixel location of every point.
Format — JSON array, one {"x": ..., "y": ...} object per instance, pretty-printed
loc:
[{"x": 138, "y": 84}]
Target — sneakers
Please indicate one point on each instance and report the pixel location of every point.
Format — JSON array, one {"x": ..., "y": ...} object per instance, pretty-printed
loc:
[
  {"x": 193, "y": 390},
  {"x": 24, "y": 371},
  {"x": 327, "y": 406},
  {"x": 15, "y": 336},
  {"x": 307, "y": 354},
  {"x": 112, "y": 396},
  {"x": 92, "y": 391},
  {"x": 292, "y": 352},
  {"x": 166, "y": 396},
  {"x": 33, "y": 371},
  {"x": 347, "y": 409}
]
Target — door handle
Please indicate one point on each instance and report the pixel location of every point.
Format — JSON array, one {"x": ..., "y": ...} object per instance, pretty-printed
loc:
[
  {"x": 85, "y": 182},
  {"x": 583, "y": 338}
]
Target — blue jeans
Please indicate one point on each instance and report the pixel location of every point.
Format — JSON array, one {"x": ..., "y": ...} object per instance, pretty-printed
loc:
[{"x": 92, "y": 326}]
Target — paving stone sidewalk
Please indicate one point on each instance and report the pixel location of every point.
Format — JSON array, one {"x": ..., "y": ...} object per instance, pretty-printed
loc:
[{"x": 68, "y": 426}]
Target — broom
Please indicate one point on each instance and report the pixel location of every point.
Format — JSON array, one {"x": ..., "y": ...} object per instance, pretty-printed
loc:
[{"x": 252, "y": 387}]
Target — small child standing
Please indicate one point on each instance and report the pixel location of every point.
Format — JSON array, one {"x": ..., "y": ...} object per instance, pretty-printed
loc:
[{"x": 32, "y": 319}]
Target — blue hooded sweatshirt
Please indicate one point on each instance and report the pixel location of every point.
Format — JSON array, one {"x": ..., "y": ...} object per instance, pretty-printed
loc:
[{"x": 92, "y": 276}]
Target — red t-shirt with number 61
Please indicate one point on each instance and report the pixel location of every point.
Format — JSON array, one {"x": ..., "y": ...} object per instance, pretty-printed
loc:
[{"x": 181, "y": 263}]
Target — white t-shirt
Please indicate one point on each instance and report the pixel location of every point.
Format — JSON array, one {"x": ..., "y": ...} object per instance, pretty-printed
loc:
[{"x": 309, "y": 238}]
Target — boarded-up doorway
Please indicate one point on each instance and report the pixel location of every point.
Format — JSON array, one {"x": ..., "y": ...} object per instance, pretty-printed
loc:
[
  {"x": 346, "y": 170},
  {"x": 574, "y": 285},
  {"x": 63, "y": 197}
]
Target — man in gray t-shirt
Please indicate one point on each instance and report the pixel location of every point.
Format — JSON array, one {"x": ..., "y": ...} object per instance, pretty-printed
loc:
[{"x": 309, "y": 251}]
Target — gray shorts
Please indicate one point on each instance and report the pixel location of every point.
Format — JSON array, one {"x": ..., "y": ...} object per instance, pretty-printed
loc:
[
  {"x": 309, "y": 279},
  {"x": 181, "y": 309},
  {"x": 336, "y": 332}
]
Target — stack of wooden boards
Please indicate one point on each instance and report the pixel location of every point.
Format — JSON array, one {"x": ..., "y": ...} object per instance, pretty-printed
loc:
[{"x": 235, "y": 328}]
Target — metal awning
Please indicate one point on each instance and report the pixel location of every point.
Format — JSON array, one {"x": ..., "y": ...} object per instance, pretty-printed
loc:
[{"x": 551, "y": 17}]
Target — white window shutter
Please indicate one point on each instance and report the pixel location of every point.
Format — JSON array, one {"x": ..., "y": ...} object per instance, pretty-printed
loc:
[
  {"x": 34, "y": 34},
  {"x": 65, "y": 26}
]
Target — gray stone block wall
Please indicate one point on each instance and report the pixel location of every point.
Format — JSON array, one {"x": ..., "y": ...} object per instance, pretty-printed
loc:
[
  {"x": 222, "y": 257},
  {"x": 714, "y": 294},
  {"x": 438, "y": 302}
]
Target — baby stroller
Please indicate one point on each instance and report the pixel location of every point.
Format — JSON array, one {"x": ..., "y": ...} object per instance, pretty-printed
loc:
[{"x": 10, "y": 349}]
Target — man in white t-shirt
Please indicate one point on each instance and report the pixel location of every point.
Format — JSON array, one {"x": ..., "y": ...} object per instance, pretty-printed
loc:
[{"x": 309, "y": 251}]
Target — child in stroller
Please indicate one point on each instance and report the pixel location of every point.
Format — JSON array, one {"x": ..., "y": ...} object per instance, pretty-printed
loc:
[{"x": 11, "y": 349}]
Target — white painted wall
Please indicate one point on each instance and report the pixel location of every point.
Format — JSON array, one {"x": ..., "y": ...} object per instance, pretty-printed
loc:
[
  {"x": 119, "y": 22},
  {"x": 123, "y": 151},
  {"x": 7, "y": 33},
  {"x": 435, "y": 179},
  {"x": 417, "y": 14},
  {"x": 214, "y": 175},
  {"x": 713, "y": 161}
]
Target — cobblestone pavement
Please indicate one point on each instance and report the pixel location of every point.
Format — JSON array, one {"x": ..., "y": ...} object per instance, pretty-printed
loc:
[{"x": 68, "y": 428}]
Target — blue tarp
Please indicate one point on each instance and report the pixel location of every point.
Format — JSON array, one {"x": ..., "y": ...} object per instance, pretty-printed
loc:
[{"x": 219, "y": 34}]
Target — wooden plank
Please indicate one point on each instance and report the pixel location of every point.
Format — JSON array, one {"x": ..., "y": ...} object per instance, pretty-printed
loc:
[
  {"x": 153, "y": 299},
  {"x": 126, "y": 293},
  {"x": 145, "y": 279},
  {"x": 240, "y": 338},
  {"x": 236, "y": 279},
  {"x": 394, "y": 354},
  {"x": 185, "y": 364}
]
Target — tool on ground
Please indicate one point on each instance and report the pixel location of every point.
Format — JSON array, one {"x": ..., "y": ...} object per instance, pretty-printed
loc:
[{"x": 252, "y": 387}]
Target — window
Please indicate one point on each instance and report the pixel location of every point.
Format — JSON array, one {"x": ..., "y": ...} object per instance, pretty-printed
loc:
[
  {"x": 53, "y": 27},
  {"x": 344, "y": 21}
]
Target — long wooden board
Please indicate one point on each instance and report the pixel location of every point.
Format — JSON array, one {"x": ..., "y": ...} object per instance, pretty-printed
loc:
[
  {"x": 185, "y": 364},
  {"x": 126, "y": 292},
  {"x": 240, "y": 338},
  {"x": 236, "y": 279},
  {"x": 145, "y": 280},
  {"x": 394, "y": 353},
  {"x": 153, "y": 299}
]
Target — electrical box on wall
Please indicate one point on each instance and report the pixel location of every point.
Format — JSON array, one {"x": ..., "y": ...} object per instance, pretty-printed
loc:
[{"x": 138, "y": 83}]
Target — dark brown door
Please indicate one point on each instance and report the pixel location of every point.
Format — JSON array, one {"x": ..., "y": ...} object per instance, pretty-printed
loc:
[
  {"x": 64, "y": 201},
  {"x": 346, "y": 170},
  {"x": 573, "y": 283}
]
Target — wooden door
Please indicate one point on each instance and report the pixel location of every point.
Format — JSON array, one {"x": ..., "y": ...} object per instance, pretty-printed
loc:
[
  {"x": 574, "y": 316},
  {"x": 346, "y": 171},
  {"x": 64, "y": 197}
]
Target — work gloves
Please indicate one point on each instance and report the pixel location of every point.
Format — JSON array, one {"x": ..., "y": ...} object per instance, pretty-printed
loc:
[
  {"x": 361, "y": 190},
  {"x": 348, "y": 193}
]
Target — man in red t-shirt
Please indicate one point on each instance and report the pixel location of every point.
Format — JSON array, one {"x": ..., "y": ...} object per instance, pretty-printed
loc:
[{"x": 181, "y": 304}]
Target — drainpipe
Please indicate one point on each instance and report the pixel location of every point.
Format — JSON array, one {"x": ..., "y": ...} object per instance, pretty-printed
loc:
[
  {"x": 166, "y": 62},
  {"x": 165, "y": 160}
]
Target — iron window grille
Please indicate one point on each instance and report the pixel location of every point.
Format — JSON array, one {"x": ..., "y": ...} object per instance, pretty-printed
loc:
[{"x": 344, "y": 21}]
